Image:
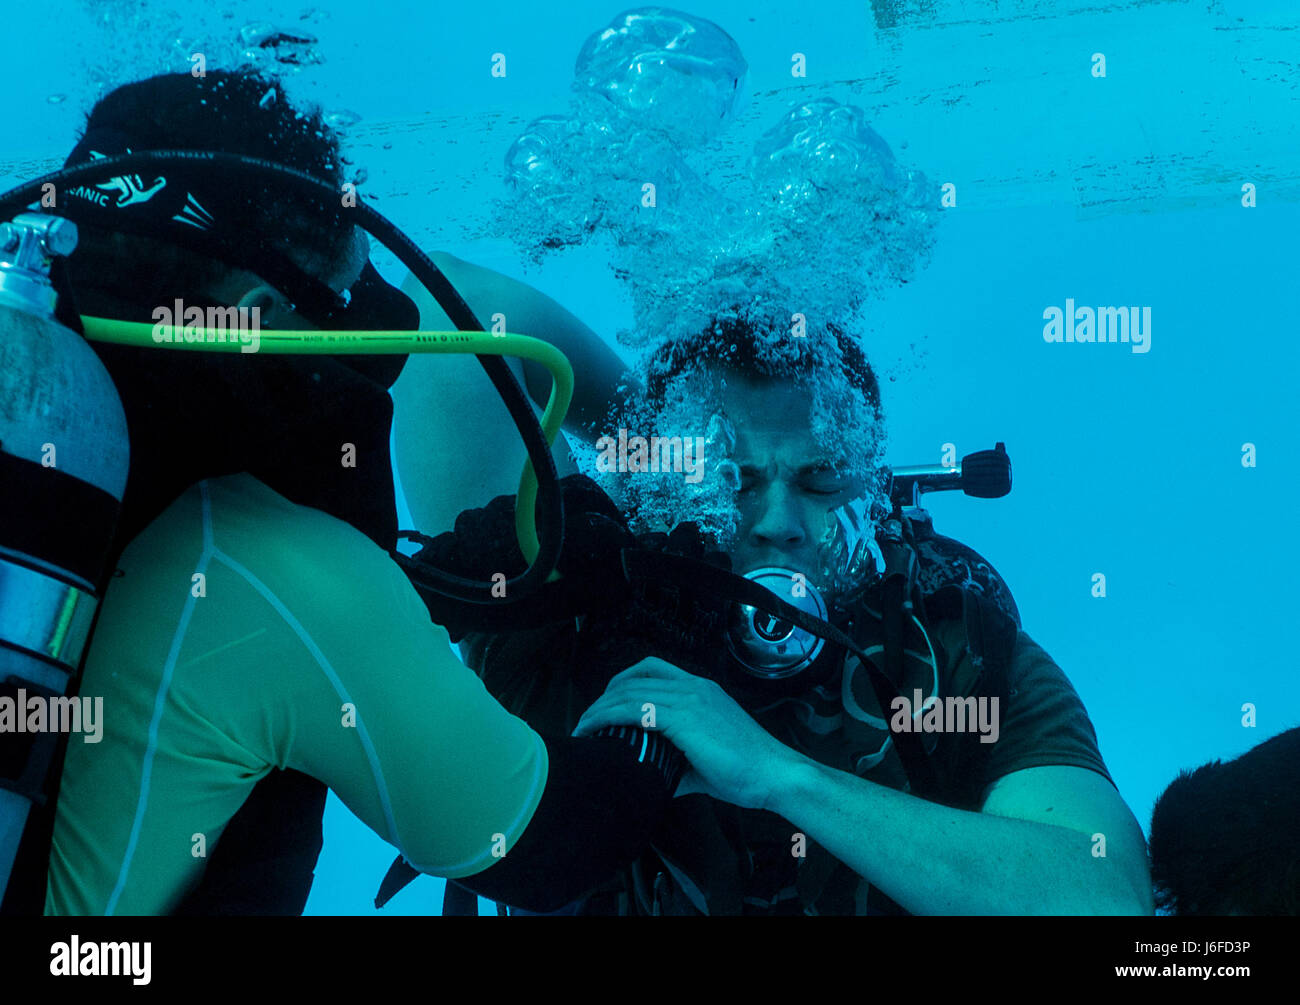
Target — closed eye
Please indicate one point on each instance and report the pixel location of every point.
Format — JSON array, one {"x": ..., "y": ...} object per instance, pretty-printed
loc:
[{"x": 823, "y": 482}]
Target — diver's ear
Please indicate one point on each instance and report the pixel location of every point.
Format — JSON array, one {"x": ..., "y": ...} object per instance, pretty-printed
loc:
[{"x": 272, "y": 307}]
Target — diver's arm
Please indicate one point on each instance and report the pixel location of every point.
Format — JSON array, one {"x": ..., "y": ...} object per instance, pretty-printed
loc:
[
  {"x": 528, "y": 312},
  {"x": 1030, "y": 851},
  {"x": 597, "y": 813},
  {"x": 456, "y": 446},
  {"x": 409, "y": 738}
]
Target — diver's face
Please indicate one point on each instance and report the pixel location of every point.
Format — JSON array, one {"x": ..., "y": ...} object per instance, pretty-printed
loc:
[
  {"x": 787, "y": 482},
  {"x": 245, "y": 289}
]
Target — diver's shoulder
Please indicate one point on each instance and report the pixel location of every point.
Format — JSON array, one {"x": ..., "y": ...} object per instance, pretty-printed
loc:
[
  {"x": 946, "y": 562},
  {"x": 244, "y": 508},
  {"x": 323, "y": 562}
]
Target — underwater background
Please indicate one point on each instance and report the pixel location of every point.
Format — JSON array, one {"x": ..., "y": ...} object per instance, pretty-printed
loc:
[{"x": 1171, "y": 182}]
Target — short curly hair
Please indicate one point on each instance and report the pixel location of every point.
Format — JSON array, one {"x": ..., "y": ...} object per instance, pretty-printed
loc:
[
  {"x": 761, "y": 347},
  {"x": 1224, "y": 838}
]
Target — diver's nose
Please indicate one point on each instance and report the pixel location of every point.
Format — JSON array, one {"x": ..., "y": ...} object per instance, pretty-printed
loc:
[{"x": 778, "y": 524}]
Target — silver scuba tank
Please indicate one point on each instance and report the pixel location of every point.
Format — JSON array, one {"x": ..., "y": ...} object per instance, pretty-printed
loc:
[{"x": 64, "y": 455}]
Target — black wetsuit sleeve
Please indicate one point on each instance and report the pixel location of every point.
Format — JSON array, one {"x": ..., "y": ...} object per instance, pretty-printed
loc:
[{"x": 598, "y": 812}]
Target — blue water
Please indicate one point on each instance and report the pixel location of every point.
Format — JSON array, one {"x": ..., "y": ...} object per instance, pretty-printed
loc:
[{"x": 1123, "y": 189}]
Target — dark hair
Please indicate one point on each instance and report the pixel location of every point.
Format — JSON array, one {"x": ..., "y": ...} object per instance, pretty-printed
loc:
[
  {"x": 1224, "y": 837},
  {"x": 763, "y": 348},
  {"x": 228, "y": 112}
]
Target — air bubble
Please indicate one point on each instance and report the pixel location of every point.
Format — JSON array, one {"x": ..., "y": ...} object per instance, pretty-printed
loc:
[
  {"x": 291, "y": 48},
  {"x": 256, "y": 33},
  {"x": 673, "y": 72},
  {"x": 729, "y": 475},
  {"x": 720, "y": 437},
  {"x": 341, "y": 119}
]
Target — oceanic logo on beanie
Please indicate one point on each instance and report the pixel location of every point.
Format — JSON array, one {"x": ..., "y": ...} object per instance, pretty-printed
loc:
[
  {"x": 130, "y": 190},
  {"x": 129, "y": 187}
]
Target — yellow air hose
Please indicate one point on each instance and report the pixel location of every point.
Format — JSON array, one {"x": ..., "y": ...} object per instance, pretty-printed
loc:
[{"x": 374, "y": 343}]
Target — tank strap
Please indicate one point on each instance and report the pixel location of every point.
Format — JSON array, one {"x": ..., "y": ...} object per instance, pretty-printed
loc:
[{"x": 49, "y": 513}]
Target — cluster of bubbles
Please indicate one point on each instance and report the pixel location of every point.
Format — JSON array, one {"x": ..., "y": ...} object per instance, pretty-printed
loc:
[
  {"x": 654, "y": 64},
  {"x": 822, "y": 216},
  {"x": 277, "y": 50},
  {"x": 148, "y": 40},
  {"x": 820, "y": 219}
]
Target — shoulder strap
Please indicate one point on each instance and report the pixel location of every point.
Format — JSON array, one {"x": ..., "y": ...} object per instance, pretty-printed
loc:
[{"x": 990, "y": 632}]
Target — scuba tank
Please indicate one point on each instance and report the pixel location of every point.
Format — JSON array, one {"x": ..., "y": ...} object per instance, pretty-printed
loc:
[{"x": 63, "y": 465}]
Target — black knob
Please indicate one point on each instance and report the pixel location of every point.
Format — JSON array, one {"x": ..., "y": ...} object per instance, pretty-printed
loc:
[{"x": 986, "y": 474}]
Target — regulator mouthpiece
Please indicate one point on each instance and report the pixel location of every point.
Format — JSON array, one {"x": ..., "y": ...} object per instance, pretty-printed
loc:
[{"x": 769, "y": 647}]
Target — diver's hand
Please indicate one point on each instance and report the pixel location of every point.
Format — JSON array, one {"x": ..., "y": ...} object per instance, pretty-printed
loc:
[{"x": 736, "y": 760}]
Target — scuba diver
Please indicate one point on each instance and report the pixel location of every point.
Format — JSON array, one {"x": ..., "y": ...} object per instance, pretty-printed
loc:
[
  {"x": 258, "y": 640},
  {"x": 828, "y": 773}
]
